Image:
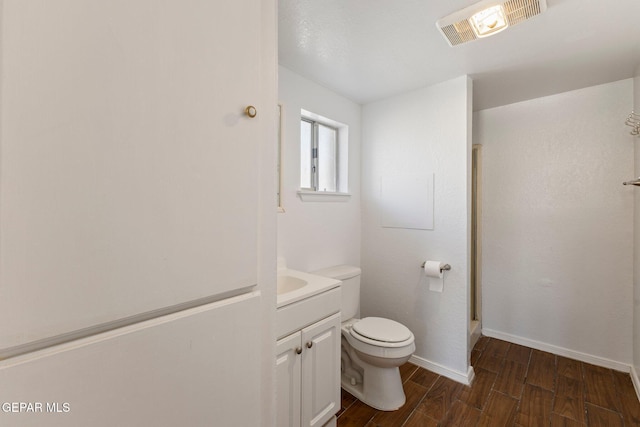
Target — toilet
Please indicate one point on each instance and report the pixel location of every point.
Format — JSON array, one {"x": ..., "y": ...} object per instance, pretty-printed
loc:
[{"x": 372, "y": 348}]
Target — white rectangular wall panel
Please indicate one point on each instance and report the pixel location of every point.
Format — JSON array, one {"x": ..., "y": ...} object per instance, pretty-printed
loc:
[{"x": 407, "y": 200}]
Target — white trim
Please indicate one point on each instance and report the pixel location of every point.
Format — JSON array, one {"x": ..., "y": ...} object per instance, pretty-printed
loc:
[
  {"x": 560, "y": 351},
  {"x": 457, "y": 376},
  {"x": 474, "y": 333},
  {"x": 635, "y": 381},
  {"x": 323, "y": 196},
  {"x": 280, "y": 157},
  {"x": 91, "y": 336},
  {"x": 309, "y": 116}
]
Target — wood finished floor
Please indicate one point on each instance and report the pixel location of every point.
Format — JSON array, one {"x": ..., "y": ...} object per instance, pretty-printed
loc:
[{"x": 514, "y": 386}]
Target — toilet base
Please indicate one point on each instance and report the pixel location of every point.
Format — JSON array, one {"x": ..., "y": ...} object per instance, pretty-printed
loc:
[{"x": 381, "y": 388}]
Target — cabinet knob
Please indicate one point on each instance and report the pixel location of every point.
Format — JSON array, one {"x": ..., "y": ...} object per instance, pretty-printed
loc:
[
  {"x": 310, "y": 344},
  {"x": 298, "y": 350},
  {"x": 251, "y": 111}
]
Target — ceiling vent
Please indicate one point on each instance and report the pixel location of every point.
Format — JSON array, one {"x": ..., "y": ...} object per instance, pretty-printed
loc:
[{"x": 486, "y": 18}]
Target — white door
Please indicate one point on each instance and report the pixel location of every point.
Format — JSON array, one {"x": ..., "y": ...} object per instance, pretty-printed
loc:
[
  {"x": 321, "y": 371},
  {"x": 129, "y": 169},
  {"x": 288, "y": 376}
]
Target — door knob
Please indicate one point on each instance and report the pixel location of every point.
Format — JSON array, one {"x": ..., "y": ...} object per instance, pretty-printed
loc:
[
  {"x": 310, "y": 344},
  {"x": 298, "y": 350},
  {"x": 251, "y": 111}
]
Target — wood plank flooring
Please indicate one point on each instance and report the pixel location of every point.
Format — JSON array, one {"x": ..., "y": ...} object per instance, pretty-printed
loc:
[{"x": 514, "y": 386}]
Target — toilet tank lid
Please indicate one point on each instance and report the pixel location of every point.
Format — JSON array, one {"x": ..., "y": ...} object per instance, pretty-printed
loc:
[{"x": 339, "y": 272}]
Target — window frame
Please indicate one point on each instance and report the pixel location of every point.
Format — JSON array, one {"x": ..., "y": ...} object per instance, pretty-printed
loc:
[
  {"x": 314, "y": 166},
  {"x": 341, "y": 130}
]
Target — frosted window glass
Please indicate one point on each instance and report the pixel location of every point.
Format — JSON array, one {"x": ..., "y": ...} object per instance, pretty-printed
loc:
[{"x": 327, "y": 159}]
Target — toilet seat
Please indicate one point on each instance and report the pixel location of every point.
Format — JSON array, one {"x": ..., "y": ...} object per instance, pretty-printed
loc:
[
  {"x": 382, "y": 330},
  {"x": 390, "y": 329}
]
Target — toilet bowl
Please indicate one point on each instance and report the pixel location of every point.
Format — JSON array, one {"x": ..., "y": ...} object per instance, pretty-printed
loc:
[
  {"x": 373, "y": 348},
  {"x": 377, "y": 360}
]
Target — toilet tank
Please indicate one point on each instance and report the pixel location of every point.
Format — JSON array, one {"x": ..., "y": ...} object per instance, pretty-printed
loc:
[{"x": 350, "y": 277}]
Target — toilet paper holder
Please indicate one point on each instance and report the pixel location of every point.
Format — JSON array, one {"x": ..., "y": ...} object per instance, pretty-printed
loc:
[{"x": 446, "y": 267}]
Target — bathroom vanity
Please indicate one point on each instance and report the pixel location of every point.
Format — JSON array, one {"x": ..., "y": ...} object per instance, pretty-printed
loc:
[{"x": 308, "y": 350}]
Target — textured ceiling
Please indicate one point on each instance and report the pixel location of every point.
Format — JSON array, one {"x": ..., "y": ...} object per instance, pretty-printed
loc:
[{"x": 371, "y": 49}]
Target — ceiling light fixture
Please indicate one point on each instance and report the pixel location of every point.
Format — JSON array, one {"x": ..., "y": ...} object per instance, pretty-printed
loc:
[
  {"x": 489, "y": 21},
  {"x": 487, "y": 18}
]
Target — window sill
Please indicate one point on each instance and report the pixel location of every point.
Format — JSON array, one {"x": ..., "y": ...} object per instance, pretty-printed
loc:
[{"x": 323, "y": 196}]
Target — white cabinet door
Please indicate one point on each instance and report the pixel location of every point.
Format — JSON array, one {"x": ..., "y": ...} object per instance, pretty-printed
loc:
[
  {"x": 129, "y": 169},
  {"x": 288, "y": 377},
  {"x": 176, "y": 370},
  {"x": 321, "y": 371}
]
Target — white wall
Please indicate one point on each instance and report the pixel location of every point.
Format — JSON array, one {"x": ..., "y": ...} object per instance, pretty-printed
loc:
[
  {"x": 557, "y": 223},
  {"x": 427, "y": 129},
  {"x": 313, "y": 235}
]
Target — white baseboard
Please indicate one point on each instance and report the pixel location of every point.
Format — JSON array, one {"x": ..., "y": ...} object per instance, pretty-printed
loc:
[
  {"x": 333, "y": 422},
  {"x": 561, "y": 351},
  {"x": 461, "y": 377},
  {"x": 635, "y": 381}
]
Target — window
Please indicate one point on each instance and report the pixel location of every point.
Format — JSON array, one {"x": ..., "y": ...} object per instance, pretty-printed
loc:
[{"x": 323, "y": 154}]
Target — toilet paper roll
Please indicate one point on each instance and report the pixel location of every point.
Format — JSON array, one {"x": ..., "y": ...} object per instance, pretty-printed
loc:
[{"x": 433, "y": 270}]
